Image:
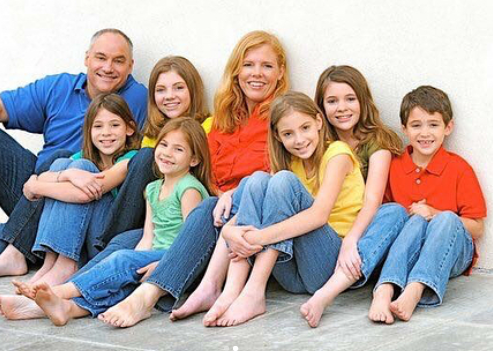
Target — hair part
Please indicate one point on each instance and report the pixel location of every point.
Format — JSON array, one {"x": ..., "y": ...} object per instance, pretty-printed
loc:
[
  {"x": 196, "y": 139},
  {"x": 113, "y": 31},
  {"x": 370, "y": 127},
  {"x": 187, "y": 71},
  {"x": 280, "y": 158},
  {"x": 429, "y": 99},
  {"x": 230, "y": 108},
  {"x": 117, "y": 105}
]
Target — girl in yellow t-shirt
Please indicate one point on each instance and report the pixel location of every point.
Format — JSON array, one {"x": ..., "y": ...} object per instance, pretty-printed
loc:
[{"x": 292, "y": 222}]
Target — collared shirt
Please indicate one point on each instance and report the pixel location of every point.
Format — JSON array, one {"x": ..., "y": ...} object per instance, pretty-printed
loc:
[
  {"x": 55, "y": 107},
  {"x": 447, "y": 183}
]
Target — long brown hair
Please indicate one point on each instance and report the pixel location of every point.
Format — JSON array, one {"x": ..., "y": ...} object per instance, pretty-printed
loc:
[
  {"x": 370, "y": 127},
  {"x": 196, "y": 138},
  {"x": 115, "y": 104},
  {"x": 230, "y": 108},
  {"x": 186, "y": 70},
  {"x": 280, "y": 158}
]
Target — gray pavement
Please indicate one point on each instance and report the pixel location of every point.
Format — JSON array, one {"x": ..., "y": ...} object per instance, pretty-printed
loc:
[{"x": 464, "y": 322}]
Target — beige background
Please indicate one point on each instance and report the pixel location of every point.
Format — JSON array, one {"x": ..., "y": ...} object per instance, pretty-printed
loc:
[{"x": 398, "y": 45}]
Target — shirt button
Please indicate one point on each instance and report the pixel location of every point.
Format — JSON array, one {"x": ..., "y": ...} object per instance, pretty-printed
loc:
[
  {"x": 417, "y": 170},
  {"x": 418, "y": 181}
]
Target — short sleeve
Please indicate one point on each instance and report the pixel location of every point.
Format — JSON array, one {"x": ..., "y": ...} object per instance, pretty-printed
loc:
[
  {"x": 76, "y": 156},
  {"x": 339, "y": 148},
  {"x": 26, "y": 106},
  {"x": 148, "y": 142},
  {"x": 207, "y": 125},
  {"x": 127, "y": 156},
  {"x": 190, "y": 182},
  {"x": 470, "y": 199}
]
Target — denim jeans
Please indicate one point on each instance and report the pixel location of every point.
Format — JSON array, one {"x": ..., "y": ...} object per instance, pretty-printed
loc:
[
  {"x": 375, "y": 243},
  {"x": 112, "y": 279},
  {"x": 128, "y": 209},
  {"x": 65, "y": 227},
  {"x": 429, "y": 253},
  {"x": 306, "y": 262},
  {"x": 16, "y": 166}
]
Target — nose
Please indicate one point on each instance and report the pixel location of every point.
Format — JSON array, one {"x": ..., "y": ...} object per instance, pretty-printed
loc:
[
  {"x": 298, "y": 139},
  {"x": 257, "y": 71},
  {"x": 341, "y": 105},
  {"x": 169, "y": 94},
  {"x": 108, "y": 66},
  {"x": 106, "y": 130}
]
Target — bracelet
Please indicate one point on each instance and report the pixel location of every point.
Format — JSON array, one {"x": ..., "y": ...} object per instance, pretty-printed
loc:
[{"x": 58, "y": 176}]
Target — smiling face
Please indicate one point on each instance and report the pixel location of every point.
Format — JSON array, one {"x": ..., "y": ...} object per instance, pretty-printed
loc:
[
  {"x": 109, "y": 134},
  {"x": 172, "y": 95},
  {"x": 173, "y": 155},
  {"x": 342, "y": 107},
  {"x": 299, "y": 133},
  {"x": 426, "y": 133},
  {"x": 259, "y": 74},
  {"x": 109, "y": 62}
]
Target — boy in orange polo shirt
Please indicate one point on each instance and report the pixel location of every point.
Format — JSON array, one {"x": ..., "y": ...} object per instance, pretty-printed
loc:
[{"x": 446, "y": 207}]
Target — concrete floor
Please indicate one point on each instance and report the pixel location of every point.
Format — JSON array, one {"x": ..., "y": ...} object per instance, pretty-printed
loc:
[{"x": 464, "y": 322}]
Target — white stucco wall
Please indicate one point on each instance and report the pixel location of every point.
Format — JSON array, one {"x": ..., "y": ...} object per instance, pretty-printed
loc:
[{"x": 397, "y": 44}]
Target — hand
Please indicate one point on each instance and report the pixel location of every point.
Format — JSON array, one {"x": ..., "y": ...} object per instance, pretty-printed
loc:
[
  {"x": 147, "y": 271},
  {"x": 86, "y": 181},
  {"x": 422, "y": 209},
  {"x": 29, "y": 188},
  {"x": 223, "y": 208},
  {"x": 349, "y": 259},
  {"x": 240, "y": 247}
]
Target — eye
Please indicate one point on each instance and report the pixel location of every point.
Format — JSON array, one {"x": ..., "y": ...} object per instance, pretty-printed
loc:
[
  {"x": 120, "y": 60},
  {"x": 307, "y": 127},
  {"x": 247, "y": 64},
  {"x": 269, "y": 65},
  {"x": 179, "y": 149},
  {"x": 330, "y": 101},
  {"x": 352, "y": 99}
]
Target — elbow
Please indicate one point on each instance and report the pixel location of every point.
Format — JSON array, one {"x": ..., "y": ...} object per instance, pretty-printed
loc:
[{"x": 82, "y": 198}]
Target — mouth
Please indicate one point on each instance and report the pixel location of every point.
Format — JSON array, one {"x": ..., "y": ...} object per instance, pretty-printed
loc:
[
  {"x": 344, "y": 118},
  {"x": 425, "y": 143},
  {"x": 171, "y": 105},
  {"x": 256, "y": 84},
  {"x": 106, "y": 77},
  {"x": 107, "y": 142}
]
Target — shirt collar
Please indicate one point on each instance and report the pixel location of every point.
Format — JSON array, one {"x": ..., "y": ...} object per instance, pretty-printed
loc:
[{"x": 436, "y": 165}]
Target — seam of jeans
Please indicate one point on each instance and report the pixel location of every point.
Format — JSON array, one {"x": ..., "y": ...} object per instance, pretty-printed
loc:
[
  {"x": 431, "y": 285},
  {"x": 389, "y": 281}
]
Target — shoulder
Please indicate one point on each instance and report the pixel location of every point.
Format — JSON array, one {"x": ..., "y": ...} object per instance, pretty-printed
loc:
[
  {"x": 133, "y": 88},
  {"x": 152, "y": 186},
  {"x": 76, "y": 156},
  {"x": 148, "y": 142},
  {"x": 207, "y": 124},
  {"x": 338, "y": 147},
  {"x": 190, "y": 182},
  {"x": 128, "y": 155}
]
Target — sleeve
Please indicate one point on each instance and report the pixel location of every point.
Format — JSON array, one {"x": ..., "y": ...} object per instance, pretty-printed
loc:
[
  {"x": 127, "y": 156},
  {"x": 149, "y": 190},
  {"x": 26, "y": 106},
  {"x": 340, "y": 148},
  {"x": 470, "y": 199},
  {"x": 207, "y": 125},
  {"x": 148, "y": 142},
  {"x": 191, "y": 183},
  {"x": 76, "y": 156}
]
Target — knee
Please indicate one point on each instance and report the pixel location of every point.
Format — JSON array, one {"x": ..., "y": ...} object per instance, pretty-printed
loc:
[
  {"x": 444, "y": 223},
  {"x": 393, "y": 210},
  {"x": 60, "y": 164},
  {"x": 84, "y": 165},
  {"x": 283, "y": 182},
  {"x": 257, "y": 182},
  {"x": 123, "y": 254}
]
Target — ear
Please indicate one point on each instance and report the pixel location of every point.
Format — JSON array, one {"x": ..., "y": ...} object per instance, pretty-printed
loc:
[
  {"x": 86, "y": 58},
  {"x": 319, "y": 121},
  {"x": 131, "y": 66},
  {"x": 281, "y": 72},
  {"x": 194, "y": 162},
  {"x": 129, "y": 130},
  {"x": 404, "y": 130},
  {"x": 449, "y": 128}
]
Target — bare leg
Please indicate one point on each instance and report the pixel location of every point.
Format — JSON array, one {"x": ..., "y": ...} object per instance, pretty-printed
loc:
[
  {"x": 62, "y": 270},
  {"x": 59, "y": 310},
  {"x": 235, "y": 282},
  {"x": 380, "y": 306},
  {"x": 404, "y": 306},
  {"x": 19, "y": 307},
  {"x": 210, "y": 287},
  {"x": 135, "y": 308},
  {"x": 251, "y": 301},
  {"x": 313, "y": 309},
  {"x": 12, "y": 262},
  {"x": 50, "y": 259}
]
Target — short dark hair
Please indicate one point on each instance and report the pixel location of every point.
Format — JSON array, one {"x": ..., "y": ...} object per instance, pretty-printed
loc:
[
  {"x": 429, "y": 99},
  {"x": 114, "y": 31}
]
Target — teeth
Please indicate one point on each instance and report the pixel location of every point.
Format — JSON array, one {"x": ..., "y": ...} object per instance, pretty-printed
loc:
[{"x": 256, "y": 84}]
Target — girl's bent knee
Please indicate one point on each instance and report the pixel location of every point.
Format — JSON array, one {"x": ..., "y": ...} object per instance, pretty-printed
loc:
[
  {"x": 60, "y": 164},
  {"x": 283, "y": 181},
  {"x": 84, "y": 165}
]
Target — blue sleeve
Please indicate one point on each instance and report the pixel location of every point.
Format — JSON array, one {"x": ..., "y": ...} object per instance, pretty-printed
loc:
[{"x": 26, "y": 106}]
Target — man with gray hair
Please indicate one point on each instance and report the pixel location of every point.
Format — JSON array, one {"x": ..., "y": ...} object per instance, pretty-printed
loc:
[{"x": 55, "y": 107}]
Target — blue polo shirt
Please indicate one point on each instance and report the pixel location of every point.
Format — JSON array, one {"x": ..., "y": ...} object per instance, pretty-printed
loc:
[{"x": 55, "y": 106}]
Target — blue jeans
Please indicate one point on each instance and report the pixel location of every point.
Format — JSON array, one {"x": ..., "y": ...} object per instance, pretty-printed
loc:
[
  {"x": 16, "y": 166},
  {"x": 306, "y": 262},
  {"x": 65, "y": 227},
  {"x": 128, "y": 209},
  {"x": 375, "y": 243},
  {"x": 112, "y": 280},
  {"x": 429, "y": 253}
]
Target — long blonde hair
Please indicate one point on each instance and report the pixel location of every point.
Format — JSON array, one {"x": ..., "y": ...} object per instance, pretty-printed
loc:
[
  {"x": 230, "y": 109},
  {"x": 280, "y": 158},
  {"x": 186, "y": 70},
  {"x": 197, "y": 140},
  {"x": 117, "y": 105},
  {"x": 370, "y": 127}
]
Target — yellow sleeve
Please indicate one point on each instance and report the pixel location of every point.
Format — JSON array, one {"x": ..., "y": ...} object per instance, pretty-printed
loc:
[
  {"x": 148, "y": 142},
  {"x": 337, "y": 148},
  {"x": 207, "y": 125}
]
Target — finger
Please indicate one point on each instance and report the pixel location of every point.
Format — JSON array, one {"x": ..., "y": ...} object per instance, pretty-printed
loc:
[
  {"x": 227, "y": 209},
  {"x": 142, "y": 270}
]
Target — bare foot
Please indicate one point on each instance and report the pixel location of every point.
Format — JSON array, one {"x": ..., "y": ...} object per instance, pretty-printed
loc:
[
  {"x": 56, "y": 308},
  {"x": 202, "y": 299},
  {"x": 133, "y": 309},
  {"x": 19, "y": 307},
  {"x": 220, "y": 306},
  {"x": 247, "y": 306},
  {"x": 380, "y": 306},
  {"x": 47, "y": 265},
  {"x": 313, "y": 309},
  {"x": 25, "y": 289},
  {"x": 404, "y": 306},
  {"x": 61, "y": 271},
  {"x": 12, "y": 262}
]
